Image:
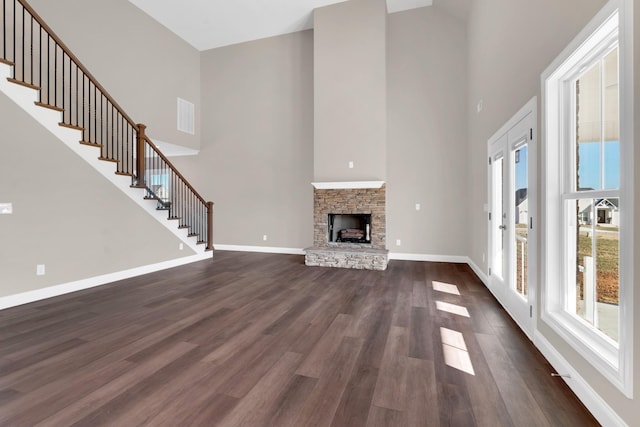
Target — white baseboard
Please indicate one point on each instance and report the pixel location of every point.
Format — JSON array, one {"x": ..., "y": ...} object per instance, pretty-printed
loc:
[
  {"x": 592, "y": 400},
  {"x": 481, "y": 275},
  {"x": 78, "y": 285},
  {"x": 426, "y": 257},
  {"x": 263, "y": 249}
]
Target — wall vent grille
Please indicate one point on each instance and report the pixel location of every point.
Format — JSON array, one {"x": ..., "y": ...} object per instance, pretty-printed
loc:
[{"x": 186, "y": 116}]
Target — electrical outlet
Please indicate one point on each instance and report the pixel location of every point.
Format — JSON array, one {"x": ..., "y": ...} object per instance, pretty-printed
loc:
[
  {"x": 479, "y": 106},
  {"x": 417, "y": 206},
  {"x": 40, "y": 271},
  {"x": 398, "y": 242},
  {"x": 351, "y": 164},
  {"x": 181, "y": 246},
  {"x": 264, "y": 237}
]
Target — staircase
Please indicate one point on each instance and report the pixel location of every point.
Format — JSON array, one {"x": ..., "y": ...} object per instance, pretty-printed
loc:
[{"x": 40, "y": 74}]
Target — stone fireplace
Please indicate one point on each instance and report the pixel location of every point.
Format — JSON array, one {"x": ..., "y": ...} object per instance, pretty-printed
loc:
[
  {"x": 350, "y": 134},
  {"x": 362, "y": 206}
]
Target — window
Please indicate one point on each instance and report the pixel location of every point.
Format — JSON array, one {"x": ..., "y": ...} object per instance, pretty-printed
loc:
[{"x": 587, "y": 196}]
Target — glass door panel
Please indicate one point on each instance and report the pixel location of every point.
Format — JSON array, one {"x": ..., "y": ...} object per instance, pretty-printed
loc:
[
  {"x": 497, "y": 229},
  {"x": 521, "y": 217}
]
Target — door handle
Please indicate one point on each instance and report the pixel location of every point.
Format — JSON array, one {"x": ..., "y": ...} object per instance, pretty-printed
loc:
[{"x": 502, "y": 227}]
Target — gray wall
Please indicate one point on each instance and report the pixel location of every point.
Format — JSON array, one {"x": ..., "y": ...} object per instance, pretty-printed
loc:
[
  {"x": 506, "y": 59},
  {"x": 256, "y": 160},
  {"x": 66, "y": 215},
  {"x": 427, "y": 131},
  {"x": 350, "y": 91},
  {"x": 144, "y": 66},
  {"x": 636, "y": 240}
]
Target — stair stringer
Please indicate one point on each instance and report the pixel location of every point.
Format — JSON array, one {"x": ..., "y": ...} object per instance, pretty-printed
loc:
[{"x": 26, "y": 99}]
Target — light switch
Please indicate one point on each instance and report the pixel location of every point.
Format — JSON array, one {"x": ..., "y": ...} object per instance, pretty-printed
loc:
[{"x": 6, "y": 208}]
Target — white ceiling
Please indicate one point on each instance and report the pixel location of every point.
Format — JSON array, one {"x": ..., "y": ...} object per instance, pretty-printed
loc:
[{"x": 206, "y": 24}]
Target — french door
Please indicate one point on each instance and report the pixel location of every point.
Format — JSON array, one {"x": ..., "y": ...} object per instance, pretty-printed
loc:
[{"x": 511, "y": 217}]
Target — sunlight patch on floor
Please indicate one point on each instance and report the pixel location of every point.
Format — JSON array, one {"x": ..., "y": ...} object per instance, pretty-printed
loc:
[
  {"x": 452, "y": 308},
  {"x": 445, "y": 287},
  {"x": 455, "y": 351}
]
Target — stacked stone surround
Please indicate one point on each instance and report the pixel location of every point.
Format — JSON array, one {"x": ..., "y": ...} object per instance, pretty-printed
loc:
[
  {"x": 370, "y": 256},
  {"x": 357, "y": 258}
]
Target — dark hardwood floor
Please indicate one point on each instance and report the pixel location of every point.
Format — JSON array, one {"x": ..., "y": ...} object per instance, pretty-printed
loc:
[{"x": 262, "y": 340}]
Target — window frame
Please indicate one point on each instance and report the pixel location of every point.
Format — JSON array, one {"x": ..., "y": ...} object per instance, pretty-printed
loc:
[{"x": 611, "y": 359}]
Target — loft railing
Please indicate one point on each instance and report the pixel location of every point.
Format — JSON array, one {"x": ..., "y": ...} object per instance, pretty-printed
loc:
[{"x": 43, "y": 62}]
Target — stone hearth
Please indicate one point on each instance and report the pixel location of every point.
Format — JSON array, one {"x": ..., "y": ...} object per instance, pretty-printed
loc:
[{"x": 358, "y": 200}]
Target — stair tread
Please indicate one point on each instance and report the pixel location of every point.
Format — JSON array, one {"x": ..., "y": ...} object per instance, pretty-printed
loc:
[
  {"x": 70, "y": 126},
  {"x": 49, "y": 106},
  {"x": 108, "y": 160},
  {"x": 91, "y": 144},
  {"x": 6, "y": 61},
  {"x": 21, "y": 83}
]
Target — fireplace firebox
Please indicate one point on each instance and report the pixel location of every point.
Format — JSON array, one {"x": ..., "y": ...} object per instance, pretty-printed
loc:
[{"x": 349, "y": 228}]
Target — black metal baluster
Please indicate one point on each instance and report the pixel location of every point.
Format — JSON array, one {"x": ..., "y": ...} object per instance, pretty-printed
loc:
[
  {"x": 14, "y": 39},
  {"x": 23, "y": 65},
  {"x": 4, "y": 29},
  {"x": 40, "y": 62},
  {"x": 95, "y": 116},
  {"x": 49, "y": 71},
  {"x": 106, "y": 125},
  {"x": 103, "y": 135},
  {"x": 62, "y": 88},
  {"x": 77, "y": 99},
  {"x": 113, "y": 143},
  {"x": 86, "y": 104},
  {"x": 118, "y": 141},
  {"x": 31, "y": 41}
]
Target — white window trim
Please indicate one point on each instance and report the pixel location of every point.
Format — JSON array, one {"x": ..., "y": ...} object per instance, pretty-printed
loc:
[{"x": 612, "y": 360}]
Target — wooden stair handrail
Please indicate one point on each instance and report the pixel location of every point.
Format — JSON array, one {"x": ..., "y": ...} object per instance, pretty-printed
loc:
[
  {"x": 79, "y": 64},
  {"x": 175, "y": 170}
]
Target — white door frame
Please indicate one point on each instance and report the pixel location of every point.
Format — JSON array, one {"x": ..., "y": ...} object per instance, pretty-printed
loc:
[{"x": 523, "y": 312}]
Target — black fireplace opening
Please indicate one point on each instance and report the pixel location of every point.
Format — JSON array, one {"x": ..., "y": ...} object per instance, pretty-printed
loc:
[{"x": 350, "y": 228}]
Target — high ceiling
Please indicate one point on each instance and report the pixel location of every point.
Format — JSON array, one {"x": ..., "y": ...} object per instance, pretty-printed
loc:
[{"x": 206, "y": 24}]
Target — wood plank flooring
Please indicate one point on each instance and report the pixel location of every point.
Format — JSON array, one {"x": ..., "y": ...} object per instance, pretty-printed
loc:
[{"x": 262, "y": 340}]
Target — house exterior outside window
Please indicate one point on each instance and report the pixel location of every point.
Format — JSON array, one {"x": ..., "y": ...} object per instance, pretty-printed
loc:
[{"x": 587, "y": 196}]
